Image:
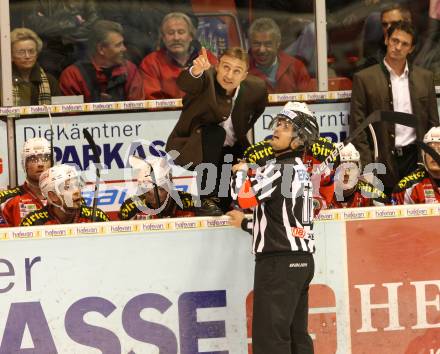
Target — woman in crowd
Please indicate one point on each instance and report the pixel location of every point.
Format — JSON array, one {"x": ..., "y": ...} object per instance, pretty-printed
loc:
[{"x": 31, "y": 84}]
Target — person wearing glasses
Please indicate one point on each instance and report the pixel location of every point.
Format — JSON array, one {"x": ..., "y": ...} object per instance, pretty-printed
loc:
[
  {"x": 281, "y": 72},
  {"x": 31, "y": 85},
  {"x": 16, "y": 203},
  {"x": 394, "y": 85}
]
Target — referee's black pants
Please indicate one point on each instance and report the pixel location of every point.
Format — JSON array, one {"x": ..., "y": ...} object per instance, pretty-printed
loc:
[{"x": 281, "y": 307}]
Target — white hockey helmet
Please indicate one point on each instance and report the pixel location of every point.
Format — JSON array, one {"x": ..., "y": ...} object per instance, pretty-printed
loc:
[
  {"x": 432, "y": 136},
  {"x": 349, "y": 154},
  {"x": 144, "y": 176},
  {"x": 32, "y": 147},
  {"x": 348, "y": 172},
  {"x": 303, "y": 120},
  {"x": 64, "y": 181},
  {"x": 297, "y": 106}
]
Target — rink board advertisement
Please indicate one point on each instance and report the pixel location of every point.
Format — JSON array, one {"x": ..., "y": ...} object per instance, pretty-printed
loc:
[
  {"x": 185, "y": 286},
  {"x": 119, "y": 135}
]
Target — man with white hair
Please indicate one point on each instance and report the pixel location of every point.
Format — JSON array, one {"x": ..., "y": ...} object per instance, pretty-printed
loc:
[
  {"x": 17, "y": 202},
  {"x": 422, "y": 185},
  {"x": 156, "y": 195},
  {"x": 179, "y": 47},
  {"x": 61, "y": 185}
]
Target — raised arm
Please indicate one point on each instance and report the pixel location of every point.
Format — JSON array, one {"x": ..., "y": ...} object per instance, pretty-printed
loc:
[{"x": 191, "y": 80}]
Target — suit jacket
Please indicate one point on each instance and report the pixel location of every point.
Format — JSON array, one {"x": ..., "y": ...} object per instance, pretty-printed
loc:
[
  {"x": 205, "y": 103},
  {"x": 372, "y": 91}
]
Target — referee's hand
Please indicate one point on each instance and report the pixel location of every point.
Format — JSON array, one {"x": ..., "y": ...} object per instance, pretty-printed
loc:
[
  {"x": 241, "y": 165},
  {"x": 201, "y": 63},
  {"x": 235, "y": 218}
]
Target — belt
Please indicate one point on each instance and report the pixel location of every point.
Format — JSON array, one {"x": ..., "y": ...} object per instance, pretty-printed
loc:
[{"x": 400, "y": 151}]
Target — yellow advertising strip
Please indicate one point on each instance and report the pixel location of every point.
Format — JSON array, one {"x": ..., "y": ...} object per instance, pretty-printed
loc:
[
  {"x": 216, "y": 223},
  {"x": 24, "y": 233},
  {"x": 55, "y": 232},
  {"x": 182, "y": 224},
  {"x": 160, "y": 104},
  {"x": 4, "y": 236}
]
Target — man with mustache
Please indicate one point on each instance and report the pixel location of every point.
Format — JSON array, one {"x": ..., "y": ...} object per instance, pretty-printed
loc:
[
  {"x": 106, "y": 75},
  {"x": 179, "y": 47},
  {"x": 61, "y": 185}
]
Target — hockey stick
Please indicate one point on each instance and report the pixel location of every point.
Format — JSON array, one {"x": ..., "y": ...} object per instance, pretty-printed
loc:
[
  {"x": 429, "y": 150},
  {"x": 156, "y": 190},
  {"x": 97, "y": 161},
  {"x": 51, "y": 134},
  {"x": 138, "y": 163},
  {"x": 406, "y": 119}
]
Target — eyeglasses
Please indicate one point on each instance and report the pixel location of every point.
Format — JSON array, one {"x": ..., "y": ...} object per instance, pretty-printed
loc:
[
  {"x": 40, "y": 157},
  {"x": 23, "y": 52}
]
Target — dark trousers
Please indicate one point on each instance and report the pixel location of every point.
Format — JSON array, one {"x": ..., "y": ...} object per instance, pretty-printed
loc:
[
  {"x": 280, "y": 312},
  {"x": 405, "y": 159},
  {"x": 213, "y": 138}
]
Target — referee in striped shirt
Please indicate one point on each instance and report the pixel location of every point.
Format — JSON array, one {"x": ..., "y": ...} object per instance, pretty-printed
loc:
[{"x": 280, "y": 193}]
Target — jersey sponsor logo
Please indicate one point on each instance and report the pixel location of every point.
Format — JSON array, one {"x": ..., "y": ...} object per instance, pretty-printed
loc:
[
  {"x": 413, "y": 178},
  {"x": 429, "y": 195},
  {"x": 9, "y": 193},
  {"x": 298, "y": 232},
  {"x": 31, "y": 219},
  {"x": 27, "y": 208}
]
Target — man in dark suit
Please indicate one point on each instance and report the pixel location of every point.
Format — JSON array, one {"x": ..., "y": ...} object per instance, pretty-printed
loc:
[
  {"x": 220, "y": 107},
  {"x": 394, "y": 85}
]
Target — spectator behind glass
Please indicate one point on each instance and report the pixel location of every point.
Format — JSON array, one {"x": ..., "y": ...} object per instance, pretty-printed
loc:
[
  {"x": 179, "y": 47},
  {"x": 106, "y": 75},
  {"x": 31, "y": 85},
  {"x": 281, "y": 72},
  {"x": 428, "y": 56},
  {"x": 64, "y": 27},
  {"x": 140, "y": 20}
]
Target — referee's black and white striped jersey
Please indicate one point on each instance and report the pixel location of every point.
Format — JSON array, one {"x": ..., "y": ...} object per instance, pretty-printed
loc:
[{"x": 282, "y": 199}]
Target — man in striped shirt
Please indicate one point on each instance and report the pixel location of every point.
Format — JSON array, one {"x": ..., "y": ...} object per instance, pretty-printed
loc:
[{"x": 280, "y": 194}]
